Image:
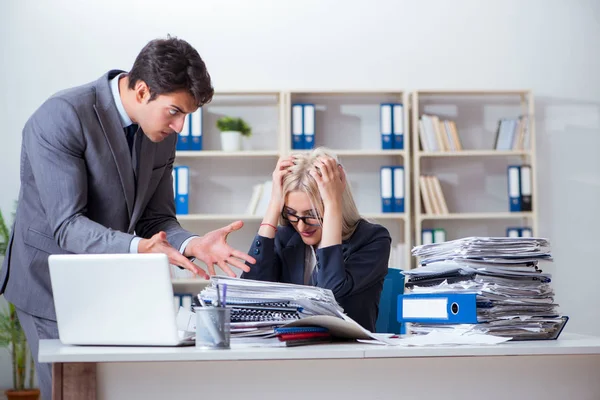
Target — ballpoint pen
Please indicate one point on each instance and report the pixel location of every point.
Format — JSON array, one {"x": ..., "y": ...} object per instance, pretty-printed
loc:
[{"x": 218, "y": 297}]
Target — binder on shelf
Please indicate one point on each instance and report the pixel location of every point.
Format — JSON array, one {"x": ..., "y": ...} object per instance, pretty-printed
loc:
[
  {"x": 297, "y": 127},
  {"x": 196, "y": 130},
  {"x": 438, "y": 308},
  {"x": 183, "y": 137},
  {"x": 427, "y": 236},
  {"x": 309, "y": 126},
  {"x": 439, "y": 235},
  {"x": 398, "y": 127},
  {"x": 385, "y": 125},
  {"x": 525, "y": 186},
  {"x": 513, "y": 232},
  {"x": 526, "y": 232},
  {"x": 386, "y": 189},
  {"x": 398, "y": 189},
  {"x": 174, "y": 179},
  {"x": 183, "y": 186},
  {"x": 514, "y": 188}
]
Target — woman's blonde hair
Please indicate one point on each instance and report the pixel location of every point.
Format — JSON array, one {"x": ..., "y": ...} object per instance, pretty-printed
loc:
[{"x": 300, "y": 180}]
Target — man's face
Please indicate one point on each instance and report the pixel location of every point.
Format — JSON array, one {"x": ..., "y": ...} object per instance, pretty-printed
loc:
[{"x": 164, "y": 115}]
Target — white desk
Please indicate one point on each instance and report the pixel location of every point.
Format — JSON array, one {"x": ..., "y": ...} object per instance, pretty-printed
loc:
[{"x": 566, "y": 368}]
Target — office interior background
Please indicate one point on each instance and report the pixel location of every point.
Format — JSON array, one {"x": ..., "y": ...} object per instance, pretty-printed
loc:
[{"x": 548, "y": 46}]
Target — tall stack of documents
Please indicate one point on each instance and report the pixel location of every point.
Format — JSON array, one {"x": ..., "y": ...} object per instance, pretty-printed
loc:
[
  {"x": 258, "y": 307},
  {"x": 482, "y": 284}
]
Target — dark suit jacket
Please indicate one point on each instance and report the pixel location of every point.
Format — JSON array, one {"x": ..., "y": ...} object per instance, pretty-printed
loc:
[
  {"x": 354, "y": 270},
  {"x": 78, "y": 191}
]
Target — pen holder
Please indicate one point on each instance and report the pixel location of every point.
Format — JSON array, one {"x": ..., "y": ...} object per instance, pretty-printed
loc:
[{"x": 212, "y": 327}]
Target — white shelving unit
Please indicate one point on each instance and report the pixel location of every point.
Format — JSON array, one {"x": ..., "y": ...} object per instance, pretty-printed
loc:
[
  {"x": 348, "y": 123},
  {"x": 476, "y": 114}
]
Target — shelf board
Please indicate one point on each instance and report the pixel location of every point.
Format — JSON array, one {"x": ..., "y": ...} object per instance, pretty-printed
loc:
[
  {"x": 219, "y": 153},
  {"x": 360, "y": 153},
  {"x": 400, "y": 216},
  {"x": 474, "y": 153},
  {"x": 218, "y": 217},
  {"x": 494, "y": 215},
  {"x": 243, "y": 217},
  {"x": 188, "y": 281},
  {"x": 468, "y": 92}
]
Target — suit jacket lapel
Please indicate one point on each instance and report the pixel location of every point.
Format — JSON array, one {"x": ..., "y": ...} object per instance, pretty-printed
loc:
[
  {"x": 293, "y": 256},
  {"x": 107, "y": 113},
  {"x": 145, "y": 161}
]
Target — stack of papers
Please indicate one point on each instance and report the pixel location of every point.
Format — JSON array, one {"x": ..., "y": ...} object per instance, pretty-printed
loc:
[
  {"x": 514, "y": 295},
  {"x": 258, "y": 307}
]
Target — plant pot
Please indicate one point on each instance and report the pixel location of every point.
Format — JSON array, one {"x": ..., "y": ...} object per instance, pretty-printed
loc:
[
  {"x": 27, "y": 394},
  {"x": 231, "y": 141}
]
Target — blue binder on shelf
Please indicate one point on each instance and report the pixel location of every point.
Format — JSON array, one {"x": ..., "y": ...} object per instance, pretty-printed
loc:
[
  {"x": 386, "y": 189},
  {"x": 393, "y": 285},
  {"x": 427, "y": 236},
  {"x": 183, "y": 137},
  {"x": 386, "y": 125},
  {"x": 398, "y": 189},
  {"x": 514, "y": 187},
  {"x": 297, "y": 127},
  {"x": 196, "y": 130},
  {"x": 398, "y": 127},
  {"x": 438, "y": 308},
  {"x": 308, "y": 117},
  {"x": 183, "y": 186},
  {"x": 512, "y": 232}
]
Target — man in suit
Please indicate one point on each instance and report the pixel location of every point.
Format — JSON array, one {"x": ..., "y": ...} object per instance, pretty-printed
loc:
[{"x": 96, "y": 177}]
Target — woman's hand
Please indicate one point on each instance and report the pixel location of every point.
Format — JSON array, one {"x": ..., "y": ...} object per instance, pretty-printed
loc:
[
  {"x": 281, "y": 169},
  {"x": 331, "y": 180}
]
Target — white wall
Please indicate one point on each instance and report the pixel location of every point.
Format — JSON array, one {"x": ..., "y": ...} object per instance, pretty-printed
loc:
[{"x": 548, "y": 46}]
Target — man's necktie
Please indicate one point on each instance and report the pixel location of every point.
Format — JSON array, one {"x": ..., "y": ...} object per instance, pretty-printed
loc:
[{"x": 130, "y": 134}]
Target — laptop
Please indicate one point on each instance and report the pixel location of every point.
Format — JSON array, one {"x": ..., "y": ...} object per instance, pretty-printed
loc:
[{"x": 114, "y": 299}]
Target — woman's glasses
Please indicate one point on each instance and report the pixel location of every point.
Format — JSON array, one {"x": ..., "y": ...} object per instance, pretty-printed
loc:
[{"x": 309, "y": 220}]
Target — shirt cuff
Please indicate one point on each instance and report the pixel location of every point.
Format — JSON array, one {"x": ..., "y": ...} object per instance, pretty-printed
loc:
[
  {"x": 184, "y": 245},
  {"x": 133, "y": 246}
]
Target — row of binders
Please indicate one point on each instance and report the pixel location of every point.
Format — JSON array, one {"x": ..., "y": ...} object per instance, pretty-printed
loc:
[
  {"x": 184, "y": 300},
  {"x": 391, "y": 124},
  {"x": 392, "y": 189},
  {"x": 429, "y": 236},
  {"x": 519, "y": 188},
  {"x": 190, "y": 137},
  {"x": 512, "y": 133},
  {"x": 303, "y": 126},
  {"x": 482, "y": 285},
  {"x": 438, "y": 135},
  {"x": 181, "y": 188}
]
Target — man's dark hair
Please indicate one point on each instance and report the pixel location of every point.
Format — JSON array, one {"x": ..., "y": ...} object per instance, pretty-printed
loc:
[{"x": 170, "y": 65}]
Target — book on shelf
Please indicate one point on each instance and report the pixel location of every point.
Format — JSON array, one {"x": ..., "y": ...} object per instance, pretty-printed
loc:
[
  {"x": 434, "y": 201},
  {"x": 438, "y": 135},
  {"x": 512, "y": 134},
  {"x": 259, "y": 200}
]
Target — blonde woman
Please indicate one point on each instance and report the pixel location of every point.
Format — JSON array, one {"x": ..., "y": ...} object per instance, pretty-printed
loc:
[{"x": 312, "y": 234}]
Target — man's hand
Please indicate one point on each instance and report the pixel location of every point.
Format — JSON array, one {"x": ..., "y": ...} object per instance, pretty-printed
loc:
[
  {"x": 212, "y": 249},
  {"x": 159, "y": 244}
]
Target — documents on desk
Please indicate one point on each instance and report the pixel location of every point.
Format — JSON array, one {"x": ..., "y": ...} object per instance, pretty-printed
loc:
[
  {"x": 259, "y": 309},
  {"x": 487, "y": 285}
]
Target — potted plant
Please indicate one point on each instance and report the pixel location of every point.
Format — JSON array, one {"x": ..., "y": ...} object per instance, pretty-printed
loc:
[
  {"x": 232, "y": 129},
  {"x": 12, "y": 336}
]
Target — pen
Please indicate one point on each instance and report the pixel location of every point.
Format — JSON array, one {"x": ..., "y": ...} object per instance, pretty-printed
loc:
[{"x": 218, "y": 297}]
